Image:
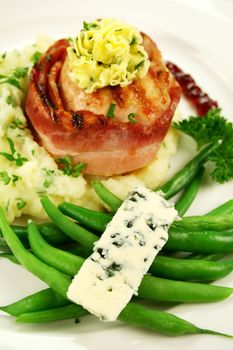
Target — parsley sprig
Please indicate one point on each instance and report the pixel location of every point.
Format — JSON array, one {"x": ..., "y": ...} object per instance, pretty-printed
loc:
[
  {"x": 13, "y": 156},
  {"x": 68, "y": 168},
  {"x": 15, "y": 77},
  {"x": 213, "y": 127}
]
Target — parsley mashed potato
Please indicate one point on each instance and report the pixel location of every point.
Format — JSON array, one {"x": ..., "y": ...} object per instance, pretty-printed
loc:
[
  {"x": 110, "y": 51},
  {"x": 27, "y": 171}
]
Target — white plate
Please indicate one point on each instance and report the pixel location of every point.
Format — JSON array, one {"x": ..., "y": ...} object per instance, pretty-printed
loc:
[{"x": 200, "y": 42}]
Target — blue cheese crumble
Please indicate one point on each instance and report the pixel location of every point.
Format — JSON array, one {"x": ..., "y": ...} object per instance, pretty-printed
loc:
[{"x": 112, "y": 274}]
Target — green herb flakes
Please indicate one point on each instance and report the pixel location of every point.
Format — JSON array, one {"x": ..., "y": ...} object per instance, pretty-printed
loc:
[
  {"x": 131, "y": 118},
  {"x": 4, "y": 177},
  {"x": 79, "y": 167},
  {"x": 13, "y": 156},
  {"x": 111, "y": 110},
  {"x": 17, "y": 124},
  {"x": 49, "y": 174},
  {"x": 139, "y": 65},
  {"x": 15, "y": 178},
  {"x": 133, "y": 41},
  {"x": 68, "y": 168},
  {"x": 15, "y": 77},
  {"x": 36, "y": 57},
  {"x": 10, "y": 100},
  {"x": 88, "y": 26},
  {"x": 20, "y": 203}
]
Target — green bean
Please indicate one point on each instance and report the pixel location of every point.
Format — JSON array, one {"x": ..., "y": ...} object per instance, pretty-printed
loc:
[
  {"x": 156, "y": 288},
  {"x": 207, "y": 257},
  {"x": 55, "y": 279},
  {"x": 73, "y": 230},
  {"x": 183, "y": 177},
  {"x": 10, "y": 257},
  {"x": 190, "y": 193},
  {"x": 181, "y": 269},
  {"x": 225, "y": 208},
  {"x": 107, "y": 196},
  {"x": 57, "y": 258},
  {"x": 133, "y": 314},
  {"x": 160, "y": 321},
  {"x": 205, "y": 222},
  {"x": 90, "y": 218},
  {"x": 211, "y": 293},
  {"x": 42, "y": 300},
  {"x": 50, "y": 315},
  {"x": 204, "y": 242}
]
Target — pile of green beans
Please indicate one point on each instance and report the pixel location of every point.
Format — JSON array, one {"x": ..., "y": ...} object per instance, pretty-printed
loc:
[
  {"x": 151, "y": 288},
  {"x": 207, "y": 238}
]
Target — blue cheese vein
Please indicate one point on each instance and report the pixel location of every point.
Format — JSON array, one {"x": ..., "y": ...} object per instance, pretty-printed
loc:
[{"x": 112, "y": 274}]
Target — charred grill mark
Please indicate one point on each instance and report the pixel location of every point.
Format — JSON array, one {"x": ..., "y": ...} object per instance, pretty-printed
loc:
[
  {"x": 50, "y": 107},
  {"x": 43, "y": 96},
  {"x": 77, "y": 120}
]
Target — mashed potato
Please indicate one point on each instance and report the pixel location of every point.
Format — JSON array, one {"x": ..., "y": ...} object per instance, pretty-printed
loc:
[{"x": 27, "y": 171}]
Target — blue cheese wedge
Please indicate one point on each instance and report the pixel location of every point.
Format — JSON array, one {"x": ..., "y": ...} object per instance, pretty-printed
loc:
[{"x": 112, "y": 274}]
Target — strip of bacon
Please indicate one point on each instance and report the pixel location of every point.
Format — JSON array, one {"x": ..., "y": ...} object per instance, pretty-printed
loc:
[{"x": 70, "y": 122}]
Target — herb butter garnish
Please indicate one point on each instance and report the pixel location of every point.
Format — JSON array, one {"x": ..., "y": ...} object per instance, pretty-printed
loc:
[{"x": 107, "y": 52}]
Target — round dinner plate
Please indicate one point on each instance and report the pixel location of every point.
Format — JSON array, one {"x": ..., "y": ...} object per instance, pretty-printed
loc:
[{"x": 199, "y": 39}]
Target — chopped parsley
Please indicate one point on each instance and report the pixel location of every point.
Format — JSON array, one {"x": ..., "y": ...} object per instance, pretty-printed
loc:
[
  {"x": 13, "y": 156},
  {"x": 10, "y": 100},
  {"x": 15, "y": 178},
  {"x": 14, "y": 78},
  {"x": 139, "y": 65},
  {"x": 131, "y": 118},
  {"x": 70, "y": 40},
  {"x": 36, "y": 57},
  {"x": 49, "y": 174},
  {"x": 20, "y": 203},
  {"x": 79, "y": 167},
  {"x": 213, "y": 127},
  {"x": 133, "y": 41},
  {"x": 17, "y": 124},
  {"x": 111, "y": 110},
  {"x": 4, "y": 177},
  {"x": 88, "y": 26},
  {"x": 68, "y": 168}
]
